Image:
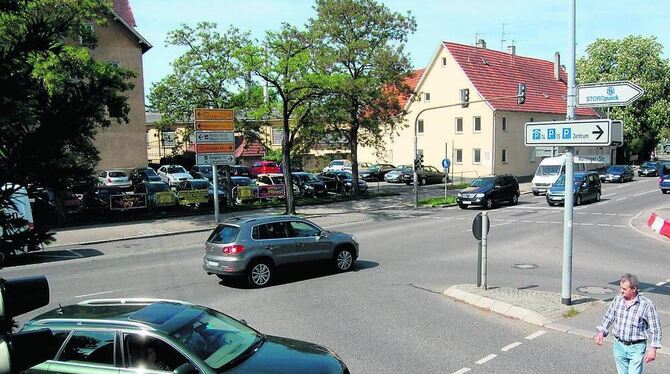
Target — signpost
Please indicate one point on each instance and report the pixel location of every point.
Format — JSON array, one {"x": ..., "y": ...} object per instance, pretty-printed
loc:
[
  {"x": 606, "y": 94},
  {"x": 480, "y": 229},
  {"x": 446, "y": 163},
  {"x": 214, "y": 142}
]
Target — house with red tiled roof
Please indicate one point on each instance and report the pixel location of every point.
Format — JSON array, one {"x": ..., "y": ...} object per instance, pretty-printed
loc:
[
  {"x": 119, "y": 43},
  {"x": 487, "y": 136}
]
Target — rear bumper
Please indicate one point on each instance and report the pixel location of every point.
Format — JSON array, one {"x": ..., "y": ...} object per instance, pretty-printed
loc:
[{"x": 221, "y": 266}]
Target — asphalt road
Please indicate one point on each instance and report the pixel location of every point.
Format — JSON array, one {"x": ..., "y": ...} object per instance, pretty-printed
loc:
[{"x": 389, "y": 314}]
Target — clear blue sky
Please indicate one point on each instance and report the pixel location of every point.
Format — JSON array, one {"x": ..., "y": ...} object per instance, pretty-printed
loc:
[{"x": 538, "y": 28}]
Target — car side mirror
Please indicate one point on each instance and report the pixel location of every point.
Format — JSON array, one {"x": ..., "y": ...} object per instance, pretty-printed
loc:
[
  {"x": 497, "y": 186},
  {"x": 243, "y": 321},
  {"x": 324, "y": 234},
  {"x": 186, "y": 368}
]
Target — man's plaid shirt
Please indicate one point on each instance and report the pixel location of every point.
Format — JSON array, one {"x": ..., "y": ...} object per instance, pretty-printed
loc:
[{"x": 631, "y": 323}]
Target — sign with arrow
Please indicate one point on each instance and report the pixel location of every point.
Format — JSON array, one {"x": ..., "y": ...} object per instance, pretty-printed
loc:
[
  {"x": 215, "y": 159},
  {"x": 607, "y": 94},
  {"x": 569, "y": 133},
  {"x": 214, "y": 137}
]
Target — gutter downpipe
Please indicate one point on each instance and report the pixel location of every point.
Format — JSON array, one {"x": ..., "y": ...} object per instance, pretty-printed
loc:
[{"x": 493, "y": 145}]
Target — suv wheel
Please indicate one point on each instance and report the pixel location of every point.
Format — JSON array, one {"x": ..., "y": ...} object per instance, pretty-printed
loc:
[
  {"x": 515, "y": 199},
  {"x": 344, "y": 259},
  {"x": 260, "y": 273},
  {"x": 489, "y": 203},
  {"x": 597, "y": 196},
  {"x": 578, "y": 200}
]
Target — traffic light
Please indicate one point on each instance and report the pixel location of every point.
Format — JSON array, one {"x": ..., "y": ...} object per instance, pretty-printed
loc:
[
  {"x": 418, "y": 162},
  {"x": 19, "y": 351},
  {"x": 521, "y": 93},
  {"x": 465, "y": 97}
]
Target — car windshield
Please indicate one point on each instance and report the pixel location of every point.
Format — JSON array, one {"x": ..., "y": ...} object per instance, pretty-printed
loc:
[
  {"x": 277, "y": 179},
  {"x": 648, "y": 164},
  {"x": 482, "y": 182},
  {"x": 205, "y": 169},
  {"x": 307, "y": 177},
  {"x": 561, "y": 180},
  {"x": 176, "y": 169},
  {"x": 548, "y": 170},
  {"x": 615, "y": 169},
  {"x": 150, "y": 172},
  {"x": 117, "y": 174},
  {"x": 157, "y": 187},
  {"x": 215, "y": 338},
  {"x": 270, "y": 165}
]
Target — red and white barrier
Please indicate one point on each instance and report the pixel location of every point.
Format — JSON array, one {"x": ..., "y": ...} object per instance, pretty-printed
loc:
[{"x": 660, "y": 225}]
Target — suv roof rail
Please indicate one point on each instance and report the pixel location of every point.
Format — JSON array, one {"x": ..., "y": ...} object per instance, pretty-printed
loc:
[
  {"x": 93, "y": 322},
  {"x": 137, "y": 300}
]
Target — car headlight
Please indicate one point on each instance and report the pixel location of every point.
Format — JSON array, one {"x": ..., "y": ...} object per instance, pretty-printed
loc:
[
  {"x": 479, "y": 195},
  {"x": 460, "y": 194},
  {"x": 348, "y": 184}
]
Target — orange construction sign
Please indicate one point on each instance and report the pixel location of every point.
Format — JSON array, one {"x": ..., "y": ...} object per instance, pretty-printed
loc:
[
  {"x": 214, "y": 114},
  {"x": 217, "y": 125},
  {"x": 214, "y": 148}
]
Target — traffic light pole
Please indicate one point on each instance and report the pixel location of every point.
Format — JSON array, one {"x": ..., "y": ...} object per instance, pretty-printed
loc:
[{"x": 416, "y": 128}]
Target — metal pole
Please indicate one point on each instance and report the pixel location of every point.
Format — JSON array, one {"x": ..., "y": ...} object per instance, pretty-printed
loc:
[
  {"x": 216, "y": 193},
  {"x": 566, "y": 287},
  {"x": 479, "y": 263},
  {"x": 485, "y": 226},
  {"x": 416, "y": 152}
]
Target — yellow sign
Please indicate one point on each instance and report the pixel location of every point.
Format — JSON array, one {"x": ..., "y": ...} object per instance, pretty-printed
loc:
[
  {"x": 187, "y": 197},
  {"x": 210, "y": 114},
  {"x": 245, "y": 192},
  {"x": 214, "y": 148},
  {"x": 216, "y": 125},
  {"x": 165, "y": 198}
]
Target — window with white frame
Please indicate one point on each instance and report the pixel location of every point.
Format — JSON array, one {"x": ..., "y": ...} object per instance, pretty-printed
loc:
[
  {"x": 444, "y": 62},
  {"x": 476, "y": 124},
  {"x": 277, "y": 135},
  {"x": 419, "y": 127},
  {"x": 426, "y": 97},
  {"x": 476, "y": 156},
  {"x": 459, "y": 156},
  {"x": 459, "y": 125},
  {"x": 503, "y": 156},
  {"x": 504, "y": 124}
]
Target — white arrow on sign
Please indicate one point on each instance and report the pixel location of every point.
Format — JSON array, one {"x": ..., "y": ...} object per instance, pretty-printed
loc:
[
  {"x": 214, "y": 137},
  {"x": 569, "y": 133},
  {"x": 215, "y": 159},
  {"x": 607, "y": 94}
]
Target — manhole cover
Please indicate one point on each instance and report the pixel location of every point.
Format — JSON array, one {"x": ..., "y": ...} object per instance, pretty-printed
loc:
[
  {"x": 595, "y": 290},
  {"x": 525, "y": 266}
]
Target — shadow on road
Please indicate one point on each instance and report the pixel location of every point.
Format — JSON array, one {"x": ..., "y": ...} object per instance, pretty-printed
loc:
[
  {"x": 40, "y": 257},
  {"x": 296, "y": 273}
]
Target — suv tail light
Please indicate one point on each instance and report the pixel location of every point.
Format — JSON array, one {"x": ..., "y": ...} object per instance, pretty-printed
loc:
[{"x": 233, "y": 250}]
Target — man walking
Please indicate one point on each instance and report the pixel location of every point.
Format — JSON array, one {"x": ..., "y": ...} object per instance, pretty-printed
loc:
[{"x": 635, "y": 322}]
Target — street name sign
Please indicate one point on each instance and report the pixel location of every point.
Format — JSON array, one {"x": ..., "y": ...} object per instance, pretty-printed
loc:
[
  {"x": 215, "y": 159},
  {"x": 214, "y": 148},
  {"x": 604, "y": 159},
  {"x": 607, "y": 94},
  {"x": 214, "y": 114},
  {"x": 214, "y": 137},
  {"x": 215, "y": 125},
  {"x": 569, "y": 133}
]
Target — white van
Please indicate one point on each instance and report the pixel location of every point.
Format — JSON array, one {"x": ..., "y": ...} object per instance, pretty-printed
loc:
[
  {"x": 21, "y": 209},
  {"x": 552, "y": 167}
]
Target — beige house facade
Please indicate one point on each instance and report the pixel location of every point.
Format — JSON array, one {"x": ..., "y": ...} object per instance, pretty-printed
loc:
[{"x": 487, "y": 136}]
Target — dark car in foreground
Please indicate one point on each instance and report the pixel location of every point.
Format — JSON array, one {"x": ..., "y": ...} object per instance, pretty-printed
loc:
[
  {"x": 111, "y": 336},
  {"x": 650, "y": 169},
  {"x": 619, "y": 173},
  {"x": 587, "y": 187},
  {"x": 139, "y": 175},
  {"x": 254, "y": 246},
  {"x": 488, "y": 191}
]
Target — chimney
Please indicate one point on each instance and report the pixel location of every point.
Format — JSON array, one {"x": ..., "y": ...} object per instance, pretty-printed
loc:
[
  {"x": 481, "y": 43},
  {"x": 511, "y": 50},
  {"x": 557, "y": 66}
]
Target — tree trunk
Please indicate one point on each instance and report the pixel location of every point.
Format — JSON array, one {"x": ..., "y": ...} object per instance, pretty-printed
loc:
[
  {"x": 286, "y": 161},
  {"x": 353, "y": 136}
]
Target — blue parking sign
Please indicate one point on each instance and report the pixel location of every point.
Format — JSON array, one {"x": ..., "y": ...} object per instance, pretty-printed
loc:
[
  {"x": 567, "y": 133},
  {"x": 551, "y": 133}
]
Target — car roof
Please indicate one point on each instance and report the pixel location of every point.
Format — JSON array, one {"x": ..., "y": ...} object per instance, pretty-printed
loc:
[
  {"x": 144, "y": 314},
  {"x": 260, "y": 218}
]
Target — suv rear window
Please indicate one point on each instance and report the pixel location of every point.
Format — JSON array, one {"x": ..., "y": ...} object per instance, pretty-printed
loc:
[{"x": 224, "y": 234}]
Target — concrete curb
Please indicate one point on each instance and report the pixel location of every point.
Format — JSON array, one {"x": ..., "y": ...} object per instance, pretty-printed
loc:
[
  {"x": 109, "y": 240},
  {"x": 521, "y": 313}
]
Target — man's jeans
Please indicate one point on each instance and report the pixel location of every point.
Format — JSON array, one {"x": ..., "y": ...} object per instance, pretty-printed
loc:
[{"x": 628, "y": 358}]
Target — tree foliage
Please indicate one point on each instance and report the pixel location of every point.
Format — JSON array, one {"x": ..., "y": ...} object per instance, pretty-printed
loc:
[
  {"x": 363, "y": 43},
  {"x": 53, "y": 95},
  {"x": 637, "y": 59}
]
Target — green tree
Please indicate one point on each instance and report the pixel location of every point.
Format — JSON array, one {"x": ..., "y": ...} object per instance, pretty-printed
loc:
[
  {"x": 286, "y": 61},
  {"x": 364, "y": 42},
  {"x": 53, "y": 98},
  {"x": 637, "y": 59}
]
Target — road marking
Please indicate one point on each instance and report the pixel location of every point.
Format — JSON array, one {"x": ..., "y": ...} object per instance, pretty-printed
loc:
[
  {"x": 621, "y": 226},
  {"x": 464, "y": 370},
  {"x": 659, "y": 284},
  {"x": 524, "y": 221},
  {"x": 511, "y": 346},
  {"x": 555, "y": 222},
  {"x": 586, "y": 224},
  {"x": 648, "y": 289},
  {"x": 597, "y": 214},
  {"x": 501, "y": 224},
  {"x": 609, "y": 194},
  {"x": 644, "y": 193},
  {"x": 610, "y": 214},
  {"x": 95, "y": 294},
  {"x": 512, "y": 220},
  {"x": 604, "y": 224},
  {"x": 535, "y": 335},
  {"x": 486, "y": 359},
  {"x": 623, "y": 198},
  {"x": 541, "y": 221}
]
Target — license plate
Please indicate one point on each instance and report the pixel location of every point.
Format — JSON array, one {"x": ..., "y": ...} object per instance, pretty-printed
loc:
[
  {"x": 467, "y": 202},
  {"x": 212, "y": 263}
]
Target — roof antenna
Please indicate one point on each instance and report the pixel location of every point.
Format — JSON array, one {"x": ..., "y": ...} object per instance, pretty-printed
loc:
[{"x": 502, "y": 38}]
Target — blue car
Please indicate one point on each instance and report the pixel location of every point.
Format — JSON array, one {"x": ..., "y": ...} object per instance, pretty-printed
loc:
[
  {"x": 664, "y": 181},
  {"x": 586, "y": 187}
]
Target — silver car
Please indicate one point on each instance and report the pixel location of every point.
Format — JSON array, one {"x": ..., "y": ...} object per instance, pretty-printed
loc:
[
  {"x": 254, "y": 246},
  {"x": 114, "y": 178}
]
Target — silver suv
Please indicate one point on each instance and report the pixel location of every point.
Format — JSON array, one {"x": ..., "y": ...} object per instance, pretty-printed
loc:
[{"x": 253, "y": 246}]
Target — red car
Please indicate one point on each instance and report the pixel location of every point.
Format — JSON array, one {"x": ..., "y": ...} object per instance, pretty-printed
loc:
[{"x": 264, "y": 167}]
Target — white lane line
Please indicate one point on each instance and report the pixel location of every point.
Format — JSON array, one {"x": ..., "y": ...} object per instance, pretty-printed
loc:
[
  {"x": 648, "y": 289},
  {"x": 623, "y": 198},
  {"x": 659, "y": 284},
  {"x": 610, "y": 214},
  {"x": 486, "y": 359},
  {"x": 555, "y": 222},
  {"x": 541, "y": 221},
  {"x": 501, "y": 224},
  {"x": 464, "y": 370},
  {"x": 524, "y": 221},
  {"x": 644, "y": 193},
  {"x": 597, "y": 214},
  {"x": 609, "y": 194},
  {"x": 586, "y": 224},
  {"x": 621, "y": 226},
  {"x": 604, "y": 224},
  {"x": 535, "y": 335},
  {"x": 512, "y": 220},
  {"x": 511, "y": 346},
  {"x": 95, "y": 294}
]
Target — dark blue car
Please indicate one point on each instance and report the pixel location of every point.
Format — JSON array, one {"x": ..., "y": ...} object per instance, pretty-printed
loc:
[{"x": 664, "y": 181}]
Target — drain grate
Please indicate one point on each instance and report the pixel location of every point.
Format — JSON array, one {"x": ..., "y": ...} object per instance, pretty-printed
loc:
[
  {"x": 525, "y": 266},
  {"x": 596, "y": 290}
]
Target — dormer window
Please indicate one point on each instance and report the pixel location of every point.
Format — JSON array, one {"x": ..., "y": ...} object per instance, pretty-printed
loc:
[{"x": 426, "y": 97}]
